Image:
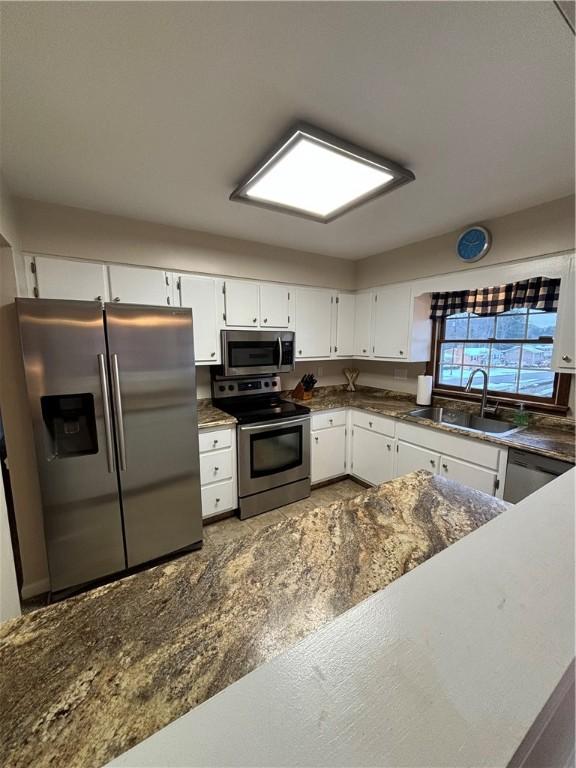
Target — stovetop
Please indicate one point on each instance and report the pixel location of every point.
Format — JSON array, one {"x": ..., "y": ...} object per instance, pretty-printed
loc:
[{"x": 251, "y": 410}]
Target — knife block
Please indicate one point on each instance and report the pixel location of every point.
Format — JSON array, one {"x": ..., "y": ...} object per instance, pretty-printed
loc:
[{"x": 300, "y": 393}]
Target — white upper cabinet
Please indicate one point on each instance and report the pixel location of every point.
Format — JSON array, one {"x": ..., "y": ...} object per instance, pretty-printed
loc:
[
  {"x": 242, "y": 303},
  {"x": 391, "y": 321},
  {"x": 70, "y": 279},
  {"x": 249, "y": 304},
  {"x": 138, "y": 285},
  {"x": 313, "y": 323},
  {"x": 565, "y": 343},
  {"x": 201, "y": 295},
  {"x": 345, "y": 306},
  {"x": 402, "y": 328},
  {"x": 363, "y": 324},
  {"x": 274, "y": 306}
]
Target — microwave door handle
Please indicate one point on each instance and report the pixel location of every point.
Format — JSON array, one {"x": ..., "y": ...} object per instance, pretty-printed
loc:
[{"x": 279, "y": 352}]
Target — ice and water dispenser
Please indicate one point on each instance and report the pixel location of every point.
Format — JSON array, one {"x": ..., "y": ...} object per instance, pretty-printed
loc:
[{"x": 71, "y": 424}]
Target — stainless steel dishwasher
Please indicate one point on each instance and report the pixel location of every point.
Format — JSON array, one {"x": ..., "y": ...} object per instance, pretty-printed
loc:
[{"x": 526, "y": 472}]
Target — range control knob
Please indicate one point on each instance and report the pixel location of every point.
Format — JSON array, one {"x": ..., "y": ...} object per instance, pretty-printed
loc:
[
  {"x": 231, "y": 387},
  {"x": 266, "y": 383},
  {"x": 274, "y": 383},
  {"x": 222, "y": 388}
]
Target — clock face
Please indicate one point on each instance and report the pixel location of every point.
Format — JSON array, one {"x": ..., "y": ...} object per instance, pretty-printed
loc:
[{"x": 473, "y": 244}]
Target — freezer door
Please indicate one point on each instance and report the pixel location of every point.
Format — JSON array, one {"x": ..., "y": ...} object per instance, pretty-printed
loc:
[
  {"x": 64, "y": 352},
  {"x": 154, "y": 392}
]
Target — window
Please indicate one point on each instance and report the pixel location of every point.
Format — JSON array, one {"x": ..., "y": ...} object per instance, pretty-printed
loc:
[{"x": 514, "y": 348}]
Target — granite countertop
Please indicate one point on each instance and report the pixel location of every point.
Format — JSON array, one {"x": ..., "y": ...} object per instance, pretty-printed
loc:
[
  {"x": 546, "y": 436},
  {"x": 209, "y": 416},
  {"x": 84, "y": 680}
]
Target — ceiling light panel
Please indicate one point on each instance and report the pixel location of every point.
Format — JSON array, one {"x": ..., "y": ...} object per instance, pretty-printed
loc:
[{"x": 319, "y": 176}]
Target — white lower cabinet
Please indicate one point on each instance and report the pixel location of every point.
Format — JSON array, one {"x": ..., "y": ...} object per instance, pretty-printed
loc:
[
  {"x": 436, "y": 451},
  {"x": 411, "y": 458},
  {"x": 474, "y": 477},
  {"x": 218, "y": 479},
  {"x": 328, "y": 453},
  {"x": 372, "y": 456}
]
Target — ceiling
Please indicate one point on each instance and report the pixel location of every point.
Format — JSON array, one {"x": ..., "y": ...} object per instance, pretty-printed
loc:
[{"x": 156, "y": 110}]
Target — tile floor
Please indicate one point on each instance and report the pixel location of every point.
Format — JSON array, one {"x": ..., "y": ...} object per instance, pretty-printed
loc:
[{"x": 232, "y": 527}]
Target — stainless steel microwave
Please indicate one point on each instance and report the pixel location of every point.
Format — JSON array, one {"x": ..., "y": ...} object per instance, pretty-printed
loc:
[{"x": 246, "y": 353}]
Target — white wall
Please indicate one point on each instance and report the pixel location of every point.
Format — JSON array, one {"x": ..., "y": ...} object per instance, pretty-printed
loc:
[{"x": 63, "y": 231}]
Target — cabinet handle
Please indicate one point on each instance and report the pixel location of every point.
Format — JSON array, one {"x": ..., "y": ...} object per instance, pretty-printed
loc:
[
  {"x": 299, "y": 351},
  {"x": 254, "y": 319},
  {"x": 432, "y": 462},
  {"x": 401, "y": 351},
  {"x": 215, "y": 442},
  {"x": 363, "y": 351},
  {"x": 316, "y": 438},
  {"x": 445, "y": 467},
  {"x": 370, "y": 424},
  {"x": 566, "y": 358},
  {"x": 212, "y": 354},
  {"x": 217, "y": 501},
  {"x": 98, "y": 298},
  {"x": 388, "y": 446},
  {"x": 216, "y": 469},
  {"x": 331, "y": 421},
  {"x": 116, "y": 298},
  {"x": 265, "y": 319}
]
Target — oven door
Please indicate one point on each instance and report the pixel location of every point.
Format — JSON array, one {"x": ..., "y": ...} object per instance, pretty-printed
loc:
[
  {"x": 250, "y": 353},
  {"x": 272, "y": 454}
]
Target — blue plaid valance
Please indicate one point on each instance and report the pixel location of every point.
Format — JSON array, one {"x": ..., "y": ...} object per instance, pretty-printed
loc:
[{"x": 535, "y": 293}]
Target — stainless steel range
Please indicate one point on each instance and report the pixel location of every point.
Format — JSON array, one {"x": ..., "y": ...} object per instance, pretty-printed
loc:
[{"x": 273, "y": 438}]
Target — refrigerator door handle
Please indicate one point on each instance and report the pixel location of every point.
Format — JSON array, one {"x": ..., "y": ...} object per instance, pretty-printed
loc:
[
  {"x": 106, "y": 412},
  {"x": 118, "y": 412}
]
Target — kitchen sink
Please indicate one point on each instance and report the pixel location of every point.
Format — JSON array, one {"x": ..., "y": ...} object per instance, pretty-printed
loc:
[{"x": 464, "y": 420}]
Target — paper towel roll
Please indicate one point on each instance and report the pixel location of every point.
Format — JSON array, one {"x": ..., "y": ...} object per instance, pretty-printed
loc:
[{"x": 424, "y": 391}]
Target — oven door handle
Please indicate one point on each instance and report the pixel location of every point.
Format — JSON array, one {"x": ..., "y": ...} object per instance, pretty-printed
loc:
[
  {"x": 279, "y": 352},
  {"x": 274, "y": 425}
]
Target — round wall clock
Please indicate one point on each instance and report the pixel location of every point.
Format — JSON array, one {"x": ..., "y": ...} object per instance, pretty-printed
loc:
[{"x": 473, "y": 243}]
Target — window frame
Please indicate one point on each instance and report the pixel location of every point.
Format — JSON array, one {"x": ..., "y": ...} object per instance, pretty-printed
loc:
[{"x": 558, "y": 403}]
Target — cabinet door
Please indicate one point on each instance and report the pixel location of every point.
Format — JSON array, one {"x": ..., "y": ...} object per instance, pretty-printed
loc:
[
  {"x": 345, "y": 305},
  {"x": 242, "y": 304},
  {"x": 200, "y": 293},
  {"x": 372, "y": 456},
  {"x": 313, "y": 323},
  {"x": 565, "y": 342},
  {"x": 363, "y": 324},
  {"x": 70, "y": 279},
  {"x": 410, "y": 458},
  {"x": 467, "y": 474},
  {"x": 274, "y": 306},
  {"x": 392, "y": 310},
  {"x": 136, "y": 285},
  {"x": 328, "y": 454}
]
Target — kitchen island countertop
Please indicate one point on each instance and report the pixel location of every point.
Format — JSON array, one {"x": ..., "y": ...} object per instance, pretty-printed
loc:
[{"x": 88, "y": 678}]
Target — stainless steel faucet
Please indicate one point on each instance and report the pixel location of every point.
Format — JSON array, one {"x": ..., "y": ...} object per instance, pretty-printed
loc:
[{"x": 484, "y": 388}]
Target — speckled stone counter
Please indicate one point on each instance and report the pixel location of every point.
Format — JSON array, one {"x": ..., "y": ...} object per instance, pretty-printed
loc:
[
  {"x": 209, "y": 416},
  {"x": 547, "y": 436},
  {"x": 84, "y": 680}
]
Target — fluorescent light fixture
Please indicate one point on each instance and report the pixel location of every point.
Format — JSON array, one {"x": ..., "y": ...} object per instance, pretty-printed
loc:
[{"x": 314, "y": 174}]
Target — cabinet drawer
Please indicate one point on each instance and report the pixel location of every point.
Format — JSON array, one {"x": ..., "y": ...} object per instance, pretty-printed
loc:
[
  {"x": 219, "y": 497},
  {"x": 215, "y": 466},
  {"x": 214, "y": 439},
  {"x": 328, "y": 419},
  {"x": 373, "y": 422},
  {"x": 475, "y": 451}
]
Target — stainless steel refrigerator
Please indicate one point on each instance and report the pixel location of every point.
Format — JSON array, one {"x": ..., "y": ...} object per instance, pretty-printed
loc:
[{"x": 112, "y": 392}]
